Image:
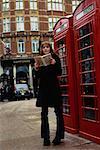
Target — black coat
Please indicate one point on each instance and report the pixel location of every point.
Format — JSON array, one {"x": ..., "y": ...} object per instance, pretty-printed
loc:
[{"x": 49, "y": 90}]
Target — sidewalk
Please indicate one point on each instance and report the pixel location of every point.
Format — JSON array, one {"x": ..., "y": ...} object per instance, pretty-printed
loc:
[{"x": 20, "y": 129}]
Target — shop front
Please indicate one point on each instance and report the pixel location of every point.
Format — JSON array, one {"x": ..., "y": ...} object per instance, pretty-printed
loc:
[{"x": 19, "y": 71}]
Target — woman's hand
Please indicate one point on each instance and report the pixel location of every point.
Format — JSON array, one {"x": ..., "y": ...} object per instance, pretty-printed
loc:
[
  {"x": 53, "y": 61},
  {"x": 36, "y": 66}
]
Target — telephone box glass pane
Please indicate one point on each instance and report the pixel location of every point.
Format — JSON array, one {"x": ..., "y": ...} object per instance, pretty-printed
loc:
[
  {"x": 89, "y": 114},
  {"x": 85, "y": 42},
  {"x": 61, "y": 52},
  {"x": 64, "y": 70},
  {"x": 88, "y": 78},
  {"x": 85, "y": 54},
  {"x": 64, "y": 90},
  {"x": 87, "y": 65},
  {"x": 66, "y": 109},
  {"x": 65, "y": 100},
  {"x": 61, "y": 47},
  {"x": 88, "y": 102},
  {"x": 61, "y": 43},
  {"x": 88, "y": 89},
  {"x": 63, "y": 80},
  {"x": 85, "y": 30},
  {"x": 63, "y": 61}
]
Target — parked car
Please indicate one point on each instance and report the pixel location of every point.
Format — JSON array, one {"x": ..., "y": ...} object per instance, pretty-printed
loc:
[{"x": 22, "y": 91}]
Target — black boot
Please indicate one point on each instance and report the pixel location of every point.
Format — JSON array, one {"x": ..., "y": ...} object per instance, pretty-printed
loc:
[
  {"x": 46, "y": 142},
  {"x": 56, "y": 141}
]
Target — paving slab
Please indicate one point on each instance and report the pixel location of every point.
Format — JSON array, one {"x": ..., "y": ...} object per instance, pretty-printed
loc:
[{"x": 20, "y": 129}]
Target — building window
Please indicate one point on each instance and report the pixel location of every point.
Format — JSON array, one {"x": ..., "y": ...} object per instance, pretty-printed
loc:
[
  {"x": 34, "y": 23},
  {"x": 20, "y": 23},
  {"x": 7, "y": 47},
  {"x": 35, "y": 46},
  {"x": 6, "y": 25},
  {"x": 21, "y": 46},
  {"x": 55, "y": 5},
  {"x": 33, "y": 4},
  {"x": 52, "y": 22},
  {"x": 7, "y": 44},
  {"x": 74, "y": 4},
  {"x": 5, "y": 5},
  {"x": 19, "y": 4}
]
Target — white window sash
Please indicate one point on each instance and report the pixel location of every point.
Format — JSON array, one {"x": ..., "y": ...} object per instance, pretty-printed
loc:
[
  {"x": 21, "y": 47},
  {"x": 20, "y": 23},
  {"x": 33, "y": 4},
  {"x": 55, "y": 5},
  {"x": 35, "y": 46},
  {"x": 19, "y": 4},
  {"x": 34, "y": 23},
  {"x": 5, "y": 5},
  {"x": 6, "y": 25},
  {"x": 52, "y": 22}
]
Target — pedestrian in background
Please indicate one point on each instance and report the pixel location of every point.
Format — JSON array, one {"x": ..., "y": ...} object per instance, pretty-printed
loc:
[{"x": 49, "y": 94}]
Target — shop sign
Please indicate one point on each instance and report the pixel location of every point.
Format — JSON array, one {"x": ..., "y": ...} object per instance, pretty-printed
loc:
[{"x": 21, "y": 61}]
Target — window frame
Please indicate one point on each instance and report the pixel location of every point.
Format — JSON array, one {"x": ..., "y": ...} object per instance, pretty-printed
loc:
[
  {"x": 33, "y": 4},
  {"x": 19, "y": 5},
  {"x": 5, "y": 5},
  {"x": 21, "y": 44},
  {"x": 6, "y": 25},
  {"x": 36, "y": 45},
  {"x": 20, "y": 23},
  {"x": 52, "y": 22},
  {"x": 55, "y": 5},
  {"x": 34, "y": 23}
]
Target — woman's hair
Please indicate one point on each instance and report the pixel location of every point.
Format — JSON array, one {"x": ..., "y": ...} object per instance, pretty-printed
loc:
[{"x": 45, "y": 43}]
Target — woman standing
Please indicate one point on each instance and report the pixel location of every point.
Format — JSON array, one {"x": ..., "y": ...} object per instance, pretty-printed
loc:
[{"x": 49, "y": 94}]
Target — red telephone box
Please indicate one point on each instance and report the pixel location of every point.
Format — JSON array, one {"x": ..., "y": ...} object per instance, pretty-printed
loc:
[
  {"x": 86, "y": 22},
  {"x": 64, "y": 46}
]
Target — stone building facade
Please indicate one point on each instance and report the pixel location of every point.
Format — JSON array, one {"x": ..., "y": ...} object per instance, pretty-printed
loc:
[{"x": 23, "y": 25}]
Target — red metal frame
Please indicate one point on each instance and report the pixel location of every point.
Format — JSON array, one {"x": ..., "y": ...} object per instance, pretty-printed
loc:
[
  {"x": 64, "y": 46},
  {"x": 86, "y": 22}
]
